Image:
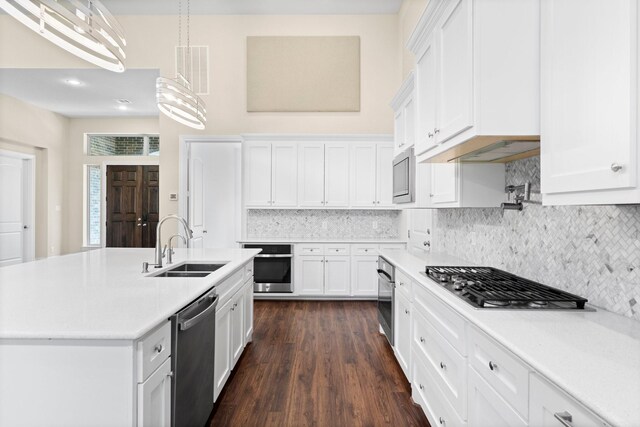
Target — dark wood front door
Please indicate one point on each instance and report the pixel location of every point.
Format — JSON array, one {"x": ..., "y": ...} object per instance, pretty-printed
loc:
[{"x": 132, "y": 206}]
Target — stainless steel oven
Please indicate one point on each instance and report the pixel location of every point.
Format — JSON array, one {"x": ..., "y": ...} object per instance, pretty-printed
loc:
[
  {"x": 404, "y": 177},
  {"x": 272, "y": 268},
  {"x": 386, "y": 294}
]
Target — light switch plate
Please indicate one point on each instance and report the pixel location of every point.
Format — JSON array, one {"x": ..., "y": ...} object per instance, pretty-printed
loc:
[{"x": 173, "y": 197}]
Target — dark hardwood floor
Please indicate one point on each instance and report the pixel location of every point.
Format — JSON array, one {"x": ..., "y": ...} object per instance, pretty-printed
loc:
[{"x": 317, "y": 363}]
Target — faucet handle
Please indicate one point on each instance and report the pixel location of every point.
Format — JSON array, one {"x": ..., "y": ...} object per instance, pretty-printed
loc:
[
  {"x": 145, "y": 267},
  {"x": 164, "y": 251}
]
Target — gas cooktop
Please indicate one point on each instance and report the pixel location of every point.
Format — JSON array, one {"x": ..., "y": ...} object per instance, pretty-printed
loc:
[{"x": 486, "y": 287}]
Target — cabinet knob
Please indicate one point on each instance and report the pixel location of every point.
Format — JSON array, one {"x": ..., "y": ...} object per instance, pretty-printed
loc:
[
  {"x": 441, "y": 420},
  {"x": 421, "y": 387},
  {"x": 492, "y": 366},
  {"x": 421, "y": 339},
  {"x": 430, "y": 135},
  {"x": 406, "y": 311},
  {"x": 158, "y": 348},
  {"x": 436, "y": 131},
  {"x": 442, "y": 365},
  {"x": 564, "y": 417},
  {"x": 170, "y": 374},
  {"x": 616, "y": 167},
  {"x": 426, "y": 243}
]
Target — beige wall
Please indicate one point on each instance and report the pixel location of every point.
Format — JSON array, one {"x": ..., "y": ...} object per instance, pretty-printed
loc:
[
  {"x": 151, "y": 40},
  {"x": 76, "y": 159},
  {"x": 28, "y": 129},
  {"x": 408, "y": 17}
]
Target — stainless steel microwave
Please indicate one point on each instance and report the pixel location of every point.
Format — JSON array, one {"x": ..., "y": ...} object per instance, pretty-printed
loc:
[{"x": 404, "y": 177}]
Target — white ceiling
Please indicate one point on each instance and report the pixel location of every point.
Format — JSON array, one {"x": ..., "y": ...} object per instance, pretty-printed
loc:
[
  {"x": 96, "y": 97},
  {"x": 254, "y": 7}
]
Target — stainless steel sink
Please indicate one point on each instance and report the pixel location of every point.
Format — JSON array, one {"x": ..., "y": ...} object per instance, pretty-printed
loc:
[
  {"x": 183, "y": 274},
  {"x": 197, "y": 267}
]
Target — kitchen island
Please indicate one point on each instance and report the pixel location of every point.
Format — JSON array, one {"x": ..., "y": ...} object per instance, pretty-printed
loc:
[{"x": 82, "y": 334}]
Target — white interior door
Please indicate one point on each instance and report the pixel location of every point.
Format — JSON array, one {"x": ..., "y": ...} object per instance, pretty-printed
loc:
[
  {"x": 215, "y": 194},
  {"x": 11, "y": 211}
]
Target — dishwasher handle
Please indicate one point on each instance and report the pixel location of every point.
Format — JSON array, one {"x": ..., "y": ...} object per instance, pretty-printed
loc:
[
  {"x": 385, "y": 276},
  {"x": 187, "y": 323}
]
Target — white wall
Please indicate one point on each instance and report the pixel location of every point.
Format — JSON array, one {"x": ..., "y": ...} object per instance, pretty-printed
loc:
[
  {"x": 32, "y": 130},
  {"x": 151, "y": 40},
  {"x": 408, "y": 17}
]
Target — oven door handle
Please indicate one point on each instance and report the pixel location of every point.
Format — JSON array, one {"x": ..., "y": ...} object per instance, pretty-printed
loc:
[
  {"x": 185, "y": 324},
  {"x": 275, "y": 256},
  {"x": 384, "y": 275}
]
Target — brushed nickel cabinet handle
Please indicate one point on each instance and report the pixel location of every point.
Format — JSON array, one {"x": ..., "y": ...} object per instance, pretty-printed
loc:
[
  {"x": 565, "y": 418},
  {"x": 616, "y": 167},
  {"x": 492, "y": 366}
]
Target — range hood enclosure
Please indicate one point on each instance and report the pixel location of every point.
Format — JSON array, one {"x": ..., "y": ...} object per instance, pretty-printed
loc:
[{"x": 490, "y": 149}]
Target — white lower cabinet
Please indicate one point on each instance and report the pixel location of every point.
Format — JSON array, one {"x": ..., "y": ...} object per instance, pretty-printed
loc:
[
  {"x": 154, "y": 398},
  {"x": 487, "y": 407},
  {"x": 364, "y": 278},
  {"x": 402, "y": 332},
  {"x": 336, "y": 275},
  {"x": 222, "y": 361},
  {"x": 551, "y": 407},
  {"x": 309, "y": 274},
  {"x": 234, "y": 329}
]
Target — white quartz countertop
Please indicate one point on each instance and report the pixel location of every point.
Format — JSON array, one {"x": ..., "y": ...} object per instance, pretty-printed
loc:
[
  {"x": 592, "y": 356},
  {"x": 299, "y": 240},
  {"x": 102, "y": 294}
]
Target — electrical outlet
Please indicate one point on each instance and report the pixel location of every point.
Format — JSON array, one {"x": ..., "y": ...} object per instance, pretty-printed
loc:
[
  {"x": 374, "y": 224},
  {"x": 324, "y": 225}
]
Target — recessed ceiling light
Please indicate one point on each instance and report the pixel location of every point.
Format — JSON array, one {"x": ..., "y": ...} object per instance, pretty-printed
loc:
[
  {"x": 122, "y": 107},
  {"x": 73, "y": 82}
]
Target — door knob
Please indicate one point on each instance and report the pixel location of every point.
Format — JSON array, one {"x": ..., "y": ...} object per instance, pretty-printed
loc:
[
  {"x": 430, "y": 135},
  {"x": 616, "y": 167}
]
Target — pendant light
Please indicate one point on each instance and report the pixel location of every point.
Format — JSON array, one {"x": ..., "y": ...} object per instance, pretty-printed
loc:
[
  {"x": 84, "y": 28},
  {"x": 174, "y": 97}
]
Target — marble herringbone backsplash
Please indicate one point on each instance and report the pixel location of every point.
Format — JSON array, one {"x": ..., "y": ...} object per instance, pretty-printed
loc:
[
  {"x": 308, "y": 224},
  {"x": 591, "y": 251}
]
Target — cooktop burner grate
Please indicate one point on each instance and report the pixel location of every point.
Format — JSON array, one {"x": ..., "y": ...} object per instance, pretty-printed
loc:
[{"x": 493, "y": 288}]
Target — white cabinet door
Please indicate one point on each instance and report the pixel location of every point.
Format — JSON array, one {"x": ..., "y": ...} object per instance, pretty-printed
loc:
[
  {"x": 364, "y": 279},
  {"x": 311, "y": 166},
  {"x": 487, "y": 408},
  {"x": 336, "y": 174},
  {"x": 384, "y": 175},
  {"x": 222, "y": 362},
  {"x": 257, "y": 174},
  {"x": 399, "y": 131},
  {"x": 402, "y": 334},
  {"x": 154, "y": 398},
  {"x": 409, "y": 111},
  {"x": 237, "y": 327},
  {"x": 426, "y": 97},
  {"x": 455, "y": 59},
  {"x": 309, "y": 275},
  {"x": 588, "y": 98},
  {"x": 363, "y": 175},
  {"x": 336, "y": 276},
  {"x": 284, "y": 167},
  {"x": 248, "y": 311},
  {"x": 444, "y": 183},
  {"x": 420, "y": 225},
  {"x": 548, "y": 406}
]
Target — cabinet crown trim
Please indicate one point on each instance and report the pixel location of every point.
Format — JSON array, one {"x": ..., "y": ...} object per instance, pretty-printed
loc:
[
  {"x": 274, "y": 137},
  {"x": 405, "y": 90},
  {"x": 425, "y": 25}
]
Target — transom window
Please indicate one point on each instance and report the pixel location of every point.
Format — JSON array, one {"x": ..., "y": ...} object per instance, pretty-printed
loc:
[{"x": 123, "y": 145}]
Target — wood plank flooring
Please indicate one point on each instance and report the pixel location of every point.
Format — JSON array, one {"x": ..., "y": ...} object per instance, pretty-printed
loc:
[{"x": 317, "y": 363}]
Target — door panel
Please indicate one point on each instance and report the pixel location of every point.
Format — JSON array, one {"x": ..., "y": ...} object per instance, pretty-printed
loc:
[
  {"x": 311, "y": 175},
  {"x": 426, "y": 90},
  {"x": 11, "y": 204},
  {"x": 197, "y": 201},
  {"x": 132, "y": 206},
  {"x": 337, "y": 278},
  {"x": 384, "y": 175},
  {"x": 284, "y": 188},
  {"x": 336, "y": 174},
  {"x": 363, "y": 175}
]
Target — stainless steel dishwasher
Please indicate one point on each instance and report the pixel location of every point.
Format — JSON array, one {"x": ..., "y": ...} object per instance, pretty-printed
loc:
[{"x": 193, "y": 340}]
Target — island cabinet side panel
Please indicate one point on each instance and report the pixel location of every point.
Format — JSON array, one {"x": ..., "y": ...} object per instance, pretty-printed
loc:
[{"x": 67, "y": 383}]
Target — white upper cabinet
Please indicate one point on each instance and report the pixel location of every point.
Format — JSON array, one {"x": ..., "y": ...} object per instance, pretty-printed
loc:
[
  {"x": 467, "y": 185},
  {"x": 257, "y": 173},
  {"x": 284, "y": 170},
  {"x": 311, "y": 175},
  {"x": 371, "y": 174},
  {"x": 270, "y": 174},
  {"x": 589, "y": 113},
  {"x": 477, "y": 76},
  {"x": 404, "y": 115},
  {"x": 336, "y": 174}
]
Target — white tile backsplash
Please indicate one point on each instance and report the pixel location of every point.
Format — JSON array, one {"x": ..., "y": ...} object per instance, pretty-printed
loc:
[
  {"x": 322, "y": 224},
  {"x": 591, "y": 251}
]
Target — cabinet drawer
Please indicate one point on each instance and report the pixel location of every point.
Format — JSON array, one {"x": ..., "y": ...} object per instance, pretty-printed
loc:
[
  {"x": 365, "y": 249},
  {"x": 336, "y": 249},
  {"x": 248, "y": 271},
  {"x": 547, "y": 403},
  {"x": 153, "y": 349},
  {"x": 443, "y": 362},
  {"x": 392, "y": 246},
  {"x": 487, "y": 408},
  {"x": 447, "y": 322},
  {"x": 229, "y": 286},
  {"x": 403, "y": 285},
  {"x": 503, "y": 371},
  {"x": 426, "y": 393},
  {"x": 309, "y": 249}
]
